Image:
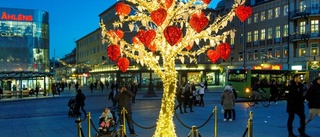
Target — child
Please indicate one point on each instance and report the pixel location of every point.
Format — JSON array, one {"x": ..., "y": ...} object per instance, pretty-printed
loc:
[{"x": 105, "y": 119}]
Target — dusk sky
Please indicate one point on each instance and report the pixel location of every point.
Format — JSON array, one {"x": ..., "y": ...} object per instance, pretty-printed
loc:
[{"x": 69, "y": 20}]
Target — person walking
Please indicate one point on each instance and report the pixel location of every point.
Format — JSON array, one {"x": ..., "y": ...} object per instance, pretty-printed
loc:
[
  {"x": 76, "y": 86},
  {"x": 37, "y": 91},
  {"x": 295, "y": 105},
  {"x": 124, "y": 101},
  {"x": 235, "y": 98},
  {"x": 134, "y": 90},
  {"x": 313, "y": 98},
  {"x": 274, "y": 92},
  {"x": 187, "y": 94},
  {"x": 180, "y": 98},
  {"x": 201, "y": 90},
  {"x": 112, "y": 95},
  {"x": 91, "y": 87},
  {"x": 101, "y": 86},
  {"x": 227, "y": 102},
  {"x": 80, "y": 98}
]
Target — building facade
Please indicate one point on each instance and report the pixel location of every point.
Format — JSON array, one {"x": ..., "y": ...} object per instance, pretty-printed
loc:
[
  {"x": 24, "y": 48},
  {"x": 277, "y": 35}
]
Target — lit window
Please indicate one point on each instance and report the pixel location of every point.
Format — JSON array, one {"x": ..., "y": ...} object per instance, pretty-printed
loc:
[
  {"x": 256, "y": 56},
  {"x": 302, "y": 6},
  {"x": 256, "y": 16},
  {"x": 285, "y": 10},
  {"x": 314, "y": 28},
  {"x": 285, "y": 51},
  {"x": 249, "y": 39},
  {"x": 314, "y": 49},
  {"x": 278, "y": 32},
  {"x": 270, "y": 14},
  {"x": 269, "y": 33},
  {"x": 263, "y": 34},
  {"x": 302, "y": 50},
  {"x": 285, "y": 30},
  {"x": 302, "y": 27},
  {"x": 263, "y": 16},
  {"x": 277, "y": 52},
  {"x": 249, "y": 20},
  {"x": 277, "y": 12}
]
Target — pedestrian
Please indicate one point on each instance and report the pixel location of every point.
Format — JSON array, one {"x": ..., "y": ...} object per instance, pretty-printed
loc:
[
  {"x": 313, "y": 98},
  {"x": 37, "y": 91},
  {"x": 235, "y": 98},
  {"x": 206, "y": 85},
  {"x": 112, "y": 95},
  {"x": 180, "y": 97},
  {"x": 227, "y": 102},
  {"x": 69, "y": 85},
  {"x": 134, "y": 90},
  {"x": 295, "y": 105},
  {"x": 107, "y": 84},
  {"x": 53, "y": 89},
  {"x": 91, "y": 87},
  {"x": 256, "y": 87},
  {"x": 124, "y": 101},
  {"x": 76, "y": 86},
  {"x": 274, "y": 92},
  {"x": 101, "y": 86},
  {"x": 187, "y": 101},
  {"x": 201, "y": 90},
  {"x": 80, "y": 98},
  {"x": 1, "y": 93}
]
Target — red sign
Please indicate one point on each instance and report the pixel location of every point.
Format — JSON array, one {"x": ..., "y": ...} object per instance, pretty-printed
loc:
[{"x": 18, "y": 17}]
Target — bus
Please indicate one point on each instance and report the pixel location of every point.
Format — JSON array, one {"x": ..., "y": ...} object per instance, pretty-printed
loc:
[{"x": 243, "y": 79}]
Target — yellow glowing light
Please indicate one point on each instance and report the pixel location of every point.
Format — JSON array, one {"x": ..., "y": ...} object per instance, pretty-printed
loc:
[{"x": 177, "y": 15}]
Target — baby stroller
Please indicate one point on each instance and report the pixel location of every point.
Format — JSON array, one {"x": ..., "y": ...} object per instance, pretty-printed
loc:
[
  {"x": 73, "y": 108},
  {"x": 105, "y": 124}
]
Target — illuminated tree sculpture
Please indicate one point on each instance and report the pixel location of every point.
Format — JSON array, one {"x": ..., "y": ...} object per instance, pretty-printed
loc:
[{"x": 168, "y": 28}]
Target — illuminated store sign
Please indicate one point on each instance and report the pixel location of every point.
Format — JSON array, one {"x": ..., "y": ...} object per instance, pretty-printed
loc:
[{"x": 19, "y": 17}]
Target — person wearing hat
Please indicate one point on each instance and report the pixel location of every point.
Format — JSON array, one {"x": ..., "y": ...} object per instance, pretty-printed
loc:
[{"x": 313, "y": 98}]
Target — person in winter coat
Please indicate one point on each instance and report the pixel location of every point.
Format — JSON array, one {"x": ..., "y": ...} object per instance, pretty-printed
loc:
[
  {"x": 228, "y": 102},
  {"x": 180, "y": 97},
  {"x": 274, "y": 91},
  {"x": 235, "y": 98},
  {"x": 201, "y": 90},
  {"x": 80, "y": 98},
  {"x": 295, "y": 105},
  {"x": 313, "y": 98},
  {"x": 124, "y": 101},
  {"x": 187, "y": 94},
  {"x": 112, "y": 95}
]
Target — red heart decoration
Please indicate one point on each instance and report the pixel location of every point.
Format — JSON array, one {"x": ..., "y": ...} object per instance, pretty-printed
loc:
[
  {"x": 213, "y": 55},
  {"x": 224, "y": 50},
  {"x": 206, "y": 1},
  {"x": 119, "y": 33},
  {"x": 113, "y": 34},
  {"x": 173, "y": 35},
  {"x": 243, "y": 12},
  {"x": 198, "y": 22},
  {"x": 122, "y": 9},
  {"x": 113, "y": 52},
  {"x": 158, "y": 16},
  {"x": 146, "y": 37},
  {"x": 123, "y": 64},
  {"x": 167, "y": 3}
]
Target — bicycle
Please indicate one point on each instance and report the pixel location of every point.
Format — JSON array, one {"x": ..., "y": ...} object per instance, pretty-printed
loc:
[{"x": 256, "y": 97}]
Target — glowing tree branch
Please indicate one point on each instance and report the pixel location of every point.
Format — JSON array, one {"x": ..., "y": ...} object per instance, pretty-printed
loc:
[{"x": 169, "y": 28}]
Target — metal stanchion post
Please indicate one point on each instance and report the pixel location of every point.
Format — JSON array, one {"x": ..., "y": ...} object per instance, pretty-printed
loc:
[
  {"x": 78, "y": 121},
  {"x": 89, "y": 124},
  {"x": 121, "y": 131},
  {"x": 194, "y": 131},
  {"x": 124, "y": 111},
  {"x": 215, "y": 111},
  {"x": 250, "y": 127}
]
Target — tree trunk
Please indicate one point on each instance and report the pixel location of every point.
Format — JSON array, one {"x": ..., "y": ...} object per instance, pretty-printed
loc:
[{"x": 165, "y": 125}]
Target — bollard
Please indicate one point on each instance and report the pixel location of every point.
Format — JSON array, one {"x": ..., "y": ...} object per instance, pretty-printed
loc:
[
  {"x": 123, "y": 112},
  {"x": 215, "y": 111},
  {"x": 250, "y": 127},
  {"x": 122, "y": 134},
  {"x": 89, "y": 124},
  {"x": 78, "y": 121},
  {"x": 194, "y": 131}
]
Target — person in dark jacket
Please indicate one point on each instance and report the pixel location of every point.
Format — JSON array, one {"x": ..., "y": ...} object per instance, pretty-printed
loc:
[
  {"x": 295, "y": 105},
  {"x": 313, "y": 98},
  {"x": 180, "y": 97},
  {"x": 274, "y": 91},
  {"x": 80, "y": 98},
  {"x": 124, "y": 101}
]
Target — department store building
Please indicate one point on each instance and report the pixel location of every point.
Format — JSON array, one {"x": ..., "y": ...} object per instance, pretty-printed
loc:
[{"x": 24, "y": 49}]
